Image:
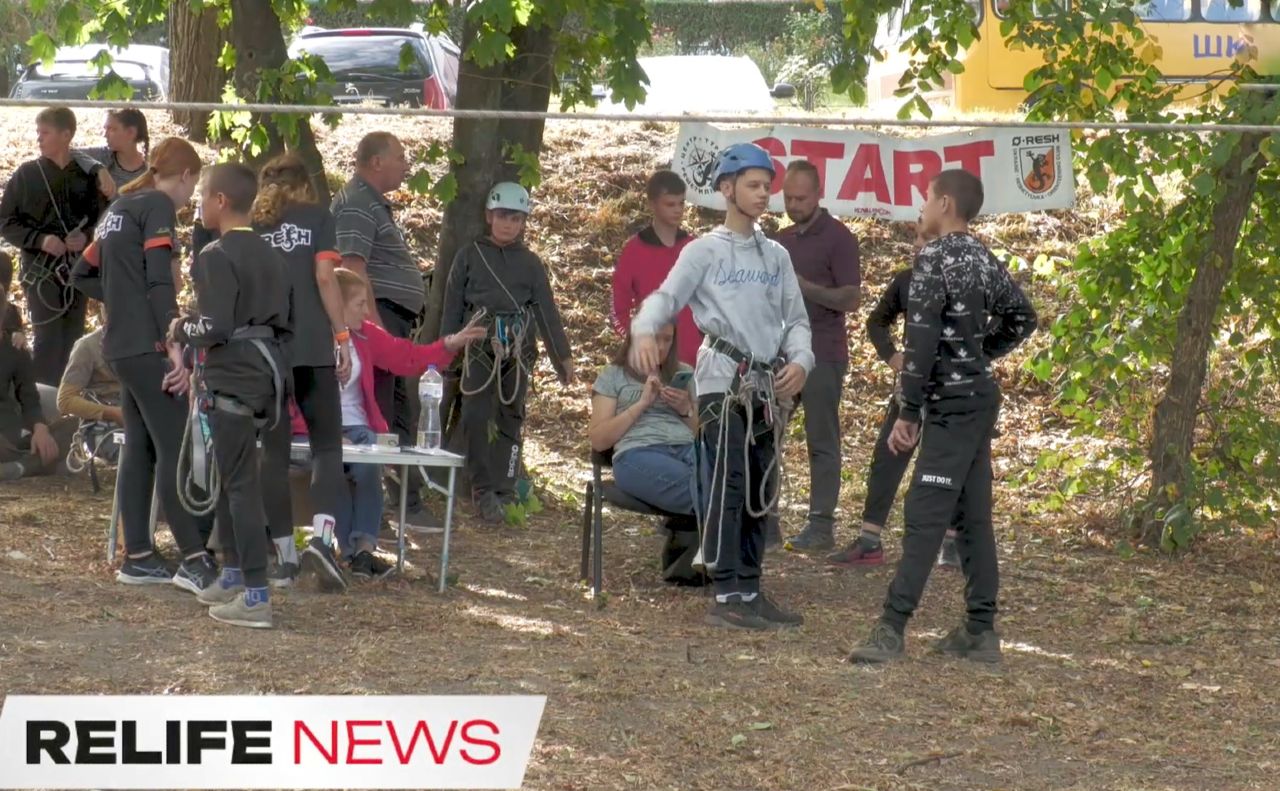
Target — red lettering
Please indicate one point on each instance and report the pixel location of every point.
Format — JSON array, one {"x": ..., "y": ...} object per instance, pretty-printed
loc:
[
  {"x": 353, "y": 742},
  {"x": 299, "y": 727},
  {"x": 422, "y": 730},
  {"x": 866, "y": 174},
  {"x": 776, "y": 148},
  {"x": 493, "y": 746},
  {"x": 969, "y": 155},
  {"x": 818, "y": 153},
  {"x": 913, "y": 169}
]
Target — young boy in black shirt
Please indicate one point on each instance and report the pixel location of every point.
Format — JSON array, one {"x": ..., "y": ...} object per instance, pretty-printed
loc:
[
  {"x": 964, "y": 310},
  {"x": 245, "y": 314},
  {"x": 48, "y": 212}
]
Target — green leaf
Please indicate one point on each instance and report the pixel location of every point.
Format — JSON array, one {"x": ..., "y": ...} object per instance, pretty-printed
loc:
[
  {"x": 738, "y": 740},
  {"x": 762, "y": 726},
  {"x": 1203, "y": 184}
]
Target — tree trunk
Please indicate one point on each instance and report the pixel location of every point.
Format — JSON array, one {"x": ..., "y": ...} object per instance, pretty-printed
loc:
[
  {"x": 478, "y": 89},
  {"x": 258, "y": 39},
  {"x": 523, "y": 83},
  {"x": 195, "y": 76},
  {"x": 1174, "y": 423}
]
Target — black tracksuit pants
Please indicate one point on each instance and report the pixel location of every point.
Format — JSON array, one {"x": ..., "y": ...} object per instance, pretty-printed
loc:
[
  {"x": 315, "y": 390},
  {"x": 493, "y": 459},
  {"x": 397, "y": 396},
  {"x": 154, "y": 422},
  {"x": 241, "y": 519},
  {"x": 57, "y": 322},
  {"x": 731, "y": 473},
  {"x": 952, "y": 476}
]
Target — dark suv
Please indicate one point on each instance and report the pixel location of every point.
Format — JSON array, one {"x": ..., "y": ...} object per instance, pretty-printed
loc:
[{"x": 368, "y": 65}]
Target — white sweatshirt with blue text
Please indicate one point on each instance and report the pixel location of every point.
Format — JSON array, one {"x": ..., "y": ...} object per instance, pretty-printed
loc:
[{"x": 740, "y": 288}]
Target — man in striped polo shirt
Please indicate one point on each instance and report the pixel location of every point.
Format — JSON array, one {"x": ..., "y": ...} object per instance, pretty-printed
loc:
[{"x": 372, "y": 245}]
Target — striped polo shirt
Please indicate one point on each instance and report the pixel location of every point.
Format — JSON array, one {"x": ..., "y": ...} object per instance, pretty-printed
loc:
[{"x": 366, "y": 229}]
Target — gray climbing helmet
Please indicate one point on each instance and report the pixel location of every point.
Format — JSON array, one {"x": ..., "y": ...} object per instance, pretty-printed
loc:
[{"x": 508, "y": 195}]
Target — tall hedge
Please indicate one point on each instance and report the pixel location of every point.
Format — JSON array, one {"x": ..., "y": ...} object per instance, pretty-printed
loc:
[{"x": 698, "y": 26}]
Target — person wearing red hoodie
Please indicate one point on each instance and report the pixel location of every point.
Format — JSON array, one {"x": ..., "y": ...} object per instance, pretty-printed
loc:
[
  {"x": 373, "y": 348},
  {"x": 647, "y": 258}
]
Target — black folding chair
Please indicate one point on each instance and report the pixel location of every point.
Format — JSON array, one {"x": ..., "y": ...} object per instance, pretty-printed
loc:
[{"x": 599, "y": 491}]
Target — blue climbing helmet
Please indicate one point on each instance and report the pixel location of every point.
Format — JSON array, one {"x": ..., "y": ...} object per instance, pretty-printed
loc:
[
  {"x": 742, "y": 156},
  {"x": 508, "y": 195}
]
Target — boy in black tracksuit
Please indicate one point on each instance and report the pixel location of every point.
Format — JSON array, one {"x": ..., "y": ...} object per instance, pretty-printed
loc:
[
  {"x": 964, "y": 311},
  {"x": 245, "y": 314},
  {"x": 48, "y": 212}
]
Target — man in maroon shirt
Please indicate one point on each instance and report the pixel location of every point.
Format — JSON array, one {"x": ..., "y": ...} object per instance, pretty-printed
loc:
[
  {"x": 647, "y": 258},
  {"x": 825, "y": 256}
]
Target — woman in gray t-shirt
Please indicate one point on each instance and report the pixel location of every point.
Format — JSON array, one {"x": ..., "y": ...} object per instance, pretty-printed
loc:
[
  {"x": 124, "y": 158},
  {"x": 649, "y": 423}
]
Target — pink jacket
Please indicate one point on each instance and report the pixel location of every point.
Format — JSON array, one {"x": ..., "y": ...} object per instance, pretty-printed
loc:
[{"x": 382, "y": 350}]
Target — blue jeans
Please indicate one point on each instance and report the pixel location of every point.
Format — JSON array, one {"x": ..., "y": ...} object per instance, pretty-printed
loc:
[
  {"x": 362, "y": 516},
  {"x": 660, "y": 475}
]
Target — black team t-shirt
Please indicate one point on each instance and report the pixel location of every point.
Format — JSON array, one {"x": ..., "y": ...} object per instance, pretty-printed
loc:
[
  {"x": 240, "y": 282},
  {"x": 131, "y": 259},
  {"x": 303, "y": 237}
]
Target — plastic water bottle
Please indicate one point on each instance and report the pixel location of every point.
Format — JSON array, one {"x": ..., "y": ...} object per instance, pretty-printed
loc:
[{"x": 430, "y": 394}]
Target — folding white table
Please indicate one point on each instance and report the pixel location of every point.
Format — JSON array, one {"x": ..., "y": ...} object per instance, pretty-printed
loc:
[{"x": 401, "y": 458}]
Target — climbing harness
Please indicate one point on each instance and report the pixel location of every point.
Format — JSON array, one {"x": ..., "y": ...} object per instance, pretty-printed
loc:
[
  {"x": 197, "y": 467},
  {"x": 45, "y": 267},
  {"x": 509, "y": 334},
  {"x": 752, "y": 386}
]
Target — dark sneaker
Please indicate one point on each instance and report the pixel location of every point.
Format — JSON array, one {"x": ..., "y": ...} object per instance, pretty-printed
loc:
[
  {"x": 318, "y": 561},
  {"x": 490, "y": 509},
  {"x": 882, "y": 645},
  {"x": 767, "y": 609},
  {"x": 197, "y": 574},
  {"x": 737, "y": 615},
  {"x": 149, "y": 570},
  {"x": 949, "y": 556},
  {"x": 814, "y": 538},
  {"x": 368, "y": 566},
  {"x": 772, "y": 533},
  {"x": 238, "y": 612},
  {"x": 283, "y": 575},
  {"x": 858, "y": 555},
  {"x": 983, "y": 647}
]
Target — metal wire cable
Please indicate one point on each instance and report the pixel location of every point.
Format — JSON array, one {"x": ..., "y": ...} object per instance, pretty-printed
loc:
[{"x": 623, "y": 117}]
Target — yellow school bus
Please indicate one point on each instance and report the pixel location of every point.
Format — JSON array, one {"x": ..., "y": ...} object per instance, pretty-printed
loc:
[{"x": 1198, "y": 41}]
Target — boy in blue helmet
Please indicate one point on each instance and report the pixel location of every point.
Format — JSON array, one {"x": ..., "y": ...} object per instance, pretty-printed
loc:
[{"x": 757, "y": 352}]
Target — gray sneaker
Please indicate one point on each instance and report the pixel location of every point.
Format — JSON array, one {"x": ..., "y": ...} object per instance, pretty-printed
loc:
[
  {"x": 238, "y": 612},
  {"x": 491, "y": 510},
  {"x": 767, "y": 609},
  {"x": 196, "y": 574},
  {"x": 283, "y": 575},
  {"x": 216, "y": 594},
  {"x": 737, "y": 615},
  {"x": 814, "y": 538},
  {"x": 149, "y": 570},
  {"x": 882, "y": 645},
  {"x": 983, "y": 647}
]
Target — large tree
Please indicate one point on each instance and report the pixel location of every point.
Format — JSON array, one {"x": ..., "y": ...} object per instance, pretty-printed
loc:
[{"x": 196, "y": 41}]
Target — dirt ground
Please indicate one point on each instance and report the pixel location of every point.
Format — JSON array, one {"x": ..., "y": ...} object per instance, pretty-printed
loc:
[{"x": 1143, "y": 673}]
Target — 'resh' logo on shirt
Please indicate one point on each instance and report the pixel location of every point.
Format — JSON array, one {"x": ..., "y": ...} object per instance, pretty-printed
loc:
[
  {"x": 110, "y": 223},
  {"x": 288, "y": 236}
]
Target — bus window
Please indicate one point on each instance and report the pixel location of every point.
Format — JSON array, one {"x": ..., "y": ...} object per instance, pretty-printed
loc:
[
  {"x": 1043, "y": 8},
  {"x": 1224, "y": 11},
  {"x": 1166, "y": 10}
]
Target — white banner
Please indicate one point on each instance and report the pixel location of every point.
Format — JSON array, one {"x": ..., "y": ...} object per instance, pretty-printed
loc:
[
  {"x": 873, "y": 175},
  {"x": 258, "y": 741}
]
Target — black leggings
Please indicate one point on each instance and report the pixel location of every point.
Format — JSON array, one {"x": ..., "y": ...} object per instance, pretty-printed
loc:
[
  {"x": 153, "y": 427},
  {"x": 241, "y": 521},
  {"x": 316, "y": 392}
]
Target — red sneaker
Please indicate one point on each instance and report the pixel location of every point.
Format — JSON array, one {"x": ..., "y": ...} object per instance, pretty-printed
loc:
[{"x": 857, "y": 555}]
